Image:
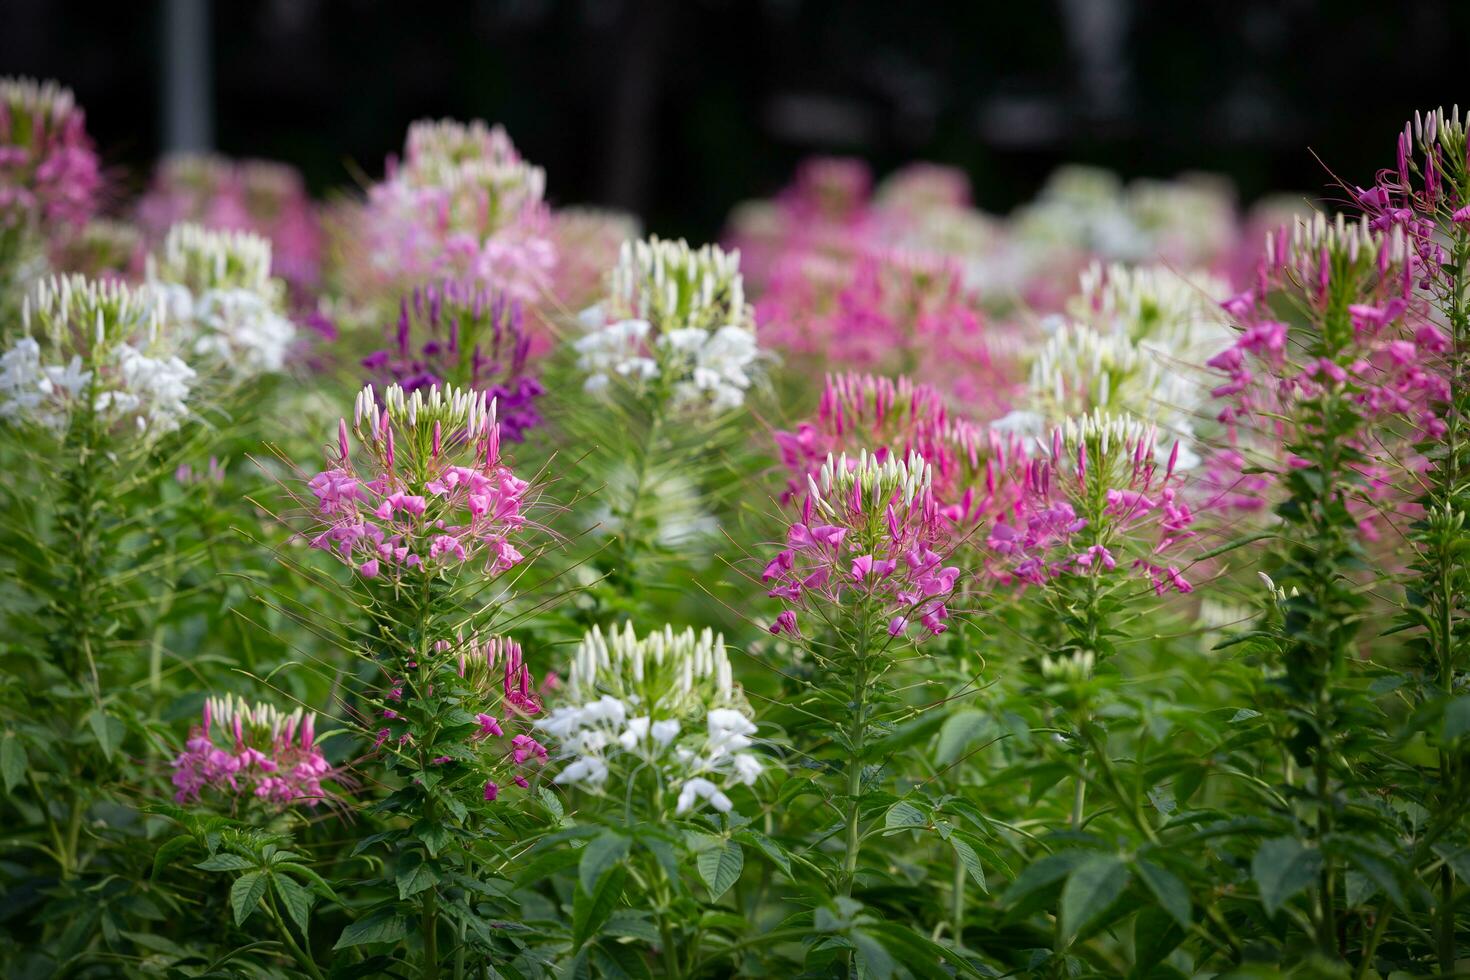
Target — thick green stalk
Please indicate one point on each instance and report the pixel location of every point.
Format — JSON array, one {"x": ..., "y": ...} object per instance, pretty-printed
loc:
[{"x": 857, "y": 735}]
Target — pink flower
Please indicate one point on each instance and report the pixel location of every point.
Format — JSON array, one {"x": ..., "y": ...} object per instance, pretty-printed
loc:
[
  {"x": 785, "y": 623},
  {"x": 491, "y": 791}
]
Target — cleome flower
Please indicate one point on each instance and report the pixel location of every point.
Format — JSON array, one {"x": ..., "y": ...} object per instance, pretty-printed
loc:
[
  {"x": 1095, "y": 500},
  {"x": 868, "y": 536},
  {"x": 48, "y": 168},
  {"x": 461, "y": 204},
  {"x": 664, "y": 702},
  {"x": 673, "y": 316},
  {"x": 218, "y": 290},
  {"x": 250, "y": 750},
  {"x": 261, "y": 196},
  {"x": 428, "y": 491},
  {"x": 95, "y": 353},
  {"x": 464, "y": 334}
]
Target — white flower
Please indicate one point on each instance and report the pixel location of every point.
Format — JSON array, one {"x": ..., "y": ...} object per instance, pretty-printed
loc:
[
  {"x": 106, "y": 341},
  {"x": 677, "y": 313},
  {"x": 665, "y": 731},
  {"x": 216, "y": 287},
  {"x": 243, "y": 330},
  {"x": 702, "y": 789},
  {"x": 747, "y": 768},
  {"x": 665, "y": 700}
]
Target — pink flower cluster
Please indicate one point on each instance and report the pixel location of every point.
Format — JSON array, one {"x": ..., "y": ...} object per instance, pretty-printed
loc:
[
  {"x": 890, "y": 417},
  {"x": 888, "y": 312},
  {"x": 1367, "y": 337},
  {"x": 1097, "y": 500},
  {"x": 867, "y": 536},
  {"x": 432, "y": 492},
  {"x": 252, "y": 750},
  {"x": 48, "y": 167},
  {"x": 262, "y": 196},
  {"x": 462, "y": 204}
]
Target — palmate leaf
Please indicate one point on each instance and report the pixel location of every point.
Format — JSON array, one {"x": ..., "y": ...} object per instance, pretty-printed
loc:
[{"x": 246, "y": 893}]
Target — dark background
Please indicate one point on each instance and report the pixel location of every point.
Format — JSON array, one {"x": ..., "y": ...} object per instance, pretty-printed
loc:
[{"x": 677, "y": 109}]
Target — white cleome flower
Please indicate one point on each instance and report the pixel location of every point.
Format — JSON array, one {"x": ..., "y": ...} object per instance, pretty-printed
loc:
[
  {"x": 666, "y": 700},
  {"x": 216, "y": 288},
  {"x": 675, "y": 313},
  {"x": 104, "y": 355}
]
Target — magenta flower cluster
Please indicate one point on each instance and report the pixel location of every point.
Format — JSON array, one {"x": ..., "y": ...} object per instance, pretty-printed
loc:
[
  {"x": 262, "y": 196},
  {"x": 48, "y": 167},
  {"x": 465, "y": 334},
  {"x": 867, "y": 535},
  {"x": 429, "y": 492},
  {"x": 252, "y": 751},
  {"x": 1099, "y": 499}
]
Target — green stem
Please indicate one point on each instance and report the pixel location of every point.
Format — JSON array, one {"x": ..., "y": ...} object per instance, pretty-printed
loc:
[
  {"x": 957, "y": 903},
  {"x": 300, "y": 955},
  {"x": 857, "y": 734}
]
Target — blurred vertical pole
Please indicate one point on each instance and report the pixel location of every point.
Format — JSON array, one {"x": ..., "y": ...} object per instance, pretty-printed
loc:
[{"x": 188, "y": 89}]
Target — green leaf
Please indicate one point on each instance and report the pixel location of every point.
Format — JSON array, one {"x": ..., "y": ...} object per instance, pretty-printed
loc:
[
  {"x": 970, "y": 860},
  {"x": 766, "y": 846},
  {"x": 720, "y": 867},
  {"x": 904, "y": 816},
  {"x": 224, "y": 861},
  {"x": 600, "y": 856},
  {"x": 545, "y": 864},
  {"x": 102, "y": 730},
  {"x": 295, "y": 898},
  {"x": 1458, "y": 858},
  {"x": 434, "y": 836},
  {"x": 1172, "y": 895},
  {"x": 246, "y": 893},
  {"x": 1283, "y": 867},
  {"x": 873, "y": 956},
  {"x": 415, "y": 874},
  {"x": 960, "y": 729},
  {"x": 1457, "y": 719},
  {"x": 1041, "y": 873},
  {"x": 1091, "y": 888},
  {"x": 167, "y": 851},
  {"x": 380, "y": 927},
  {"x": 591, "y": 910},
  {"x": 13, "y": 761}
]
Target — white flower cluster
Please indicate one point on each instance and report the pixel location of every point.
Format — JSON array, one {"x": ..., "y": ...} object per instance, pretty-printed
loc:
[
  {"x": 1187, "y": 220},
  {"x": 1135, "y": 345},
  {"x": 217, "y": 287},
  {"x": 666, "y": 701},
  {"x": 677, "y": 314},
  {"x": 1174, "y": 313},
  {"x": 876, "y": 479},
  {"x": 104, "y": 355},
  {"x": 453, "y": 155}
]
